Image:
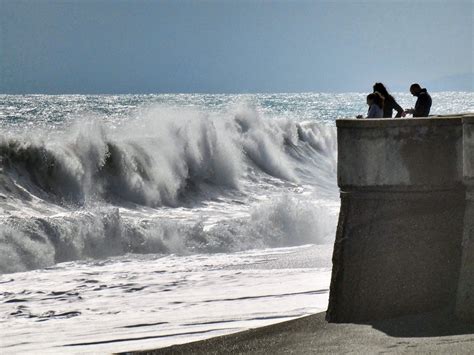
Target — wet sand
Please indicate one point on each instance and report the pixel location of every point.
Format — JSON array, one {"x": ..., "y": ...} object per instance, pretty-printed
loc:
[{"x": 436, "y": 332}]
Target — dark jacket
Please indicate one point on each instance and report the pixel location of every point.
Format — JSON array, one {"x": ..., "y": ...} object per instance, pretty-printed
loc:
[
  {"x": 389, "y": 105},
  {"x": 423, "y": 104}
]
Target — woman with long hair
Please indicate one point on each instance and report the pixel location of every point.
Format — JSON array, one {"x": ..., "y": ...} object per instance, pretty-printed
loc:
[{"x": 389, "y": 102}]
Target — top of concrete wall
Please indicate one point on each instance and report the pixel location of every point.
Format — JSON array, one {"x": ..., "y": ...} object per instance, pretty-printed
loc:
[
  {"x": 402, "y": 122},
  {"x": 468, "y": 118},
  {"x": 419, "y": 154}
]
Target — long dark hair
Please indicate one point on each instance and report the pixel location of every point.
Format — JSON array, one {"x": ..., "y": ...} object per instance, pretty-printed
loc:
[
  {"x": 377, "y": 98},
  {"x": 380, "y": 88}
]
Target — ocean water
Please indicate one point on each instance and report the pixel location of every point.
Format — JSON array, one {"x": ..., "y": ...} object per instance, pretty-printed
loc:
[{"x": 138, "y": 221}]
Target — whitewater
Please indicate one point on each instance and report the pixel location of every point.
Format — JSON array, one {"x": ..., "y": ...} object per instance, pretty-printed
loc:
[{"x": 139, "y": 221}]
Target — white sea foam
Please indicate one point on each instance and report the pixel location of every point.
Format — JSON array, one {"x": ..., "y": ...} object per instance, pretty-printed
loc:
[
  {"x": 130, "y": 303},
  {"x": 37, "y": 242}
]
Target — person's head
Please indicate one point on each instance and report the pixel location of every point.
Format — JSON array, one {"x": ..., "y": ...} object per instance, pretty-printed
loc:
[
  {"x": 415, "y": 89},
  {"x": 379, "y": 87},
  {"x": 375, "y": 99}
]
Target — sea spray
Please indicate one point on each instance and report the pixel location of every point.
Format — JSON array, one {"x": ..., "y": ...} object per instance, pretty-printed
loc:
[
  {"x": 157, "y": 160},
  {"x": 30, "y": 243},
  {"x": 167, "y": 180}
]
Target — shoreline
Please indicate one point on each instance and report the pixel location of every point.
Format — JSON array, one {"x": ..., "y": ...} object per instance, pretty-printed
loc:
[{"x": 436, "y": 331}]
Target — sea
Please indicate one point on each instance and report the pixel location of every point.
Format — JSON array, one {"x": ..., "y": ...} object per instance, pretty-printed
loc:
[{"x": 133, "y": 222}]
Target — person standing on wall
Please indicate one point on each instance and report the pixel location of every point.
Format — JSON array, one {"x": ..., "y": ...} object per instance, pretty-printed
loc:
[
  {"x": 423, "y": 103},
  {"x": 390, "y": 103}
]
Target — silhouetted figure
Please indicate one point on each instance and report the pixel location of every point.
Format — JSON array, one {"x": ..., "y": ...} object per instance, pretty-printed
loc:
[
  {"x": 389, "y": 103},
  {"x": 375, "y": 102},
  {"x": 423, "y": 103}
]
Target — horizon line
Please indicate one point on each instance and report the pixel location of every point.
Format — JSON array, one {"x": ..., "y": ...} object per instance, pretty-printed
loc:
[{"x": 211, "y": 93}]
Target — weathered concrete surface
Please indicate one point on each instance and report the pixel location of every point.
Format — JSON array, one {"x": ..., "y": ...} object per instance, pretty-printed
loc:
[
  {"x": 413, "y": 153},
  {"x": 399, "y": 240},
  {"x": 465, "y": 296},
  {"x": 395, "y": 254}
]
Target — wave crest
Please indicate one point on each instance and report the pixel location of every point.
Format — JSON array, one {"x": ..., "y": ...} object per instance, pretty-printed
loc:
[{"x": 158, "y": 159}]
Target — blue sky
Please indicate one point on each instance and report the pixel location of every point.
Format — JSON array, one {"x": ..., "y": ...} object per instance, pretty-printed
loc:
[{"x": 139, "y": 46}]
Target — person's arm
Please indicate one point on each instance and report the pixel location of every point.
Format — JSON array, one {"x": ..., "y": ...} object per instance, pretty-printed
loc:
[{"x": 397, "y": 108}]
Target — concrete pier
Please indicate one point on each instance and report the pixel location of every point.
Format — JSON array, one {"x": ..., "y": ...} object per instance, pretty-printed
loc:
[{"x": 405, "y": 240}]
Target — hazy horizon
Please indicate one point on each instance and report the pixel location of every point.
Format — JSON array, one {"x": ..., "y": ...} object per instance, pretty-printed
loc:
[
  {"x": 242, "y": 47},
  {"x": 243, "y": 93}
]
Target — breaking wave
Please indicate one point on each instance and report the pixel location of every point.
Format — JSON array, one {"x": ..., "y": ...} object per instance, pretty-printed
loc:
[
  {"x": 157, "y": 160},
  {"x": 168, "y": 158}
]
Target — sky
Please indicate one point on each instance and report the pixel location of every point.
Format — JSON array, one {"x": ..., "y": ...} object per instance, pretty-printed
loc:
[{"x": 233, "y": 46}]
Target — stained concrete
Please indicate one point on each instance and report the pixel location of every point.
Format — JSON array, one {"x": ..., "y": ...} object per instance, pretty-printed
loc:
[
  {"x": 405, "y": 232},
  {"x": 416, "y": 153},
  {"x": 465, "y": 296},
  {"x": 395, "y": 254}
]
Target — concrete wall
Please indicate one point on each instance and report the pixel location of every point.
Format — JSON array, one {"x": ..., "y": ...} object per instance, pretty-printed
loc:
[
  {"x": 399, "y": 241},
  {"x": 465, "y": 296},
  {"x": 404, "y": 153}
]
